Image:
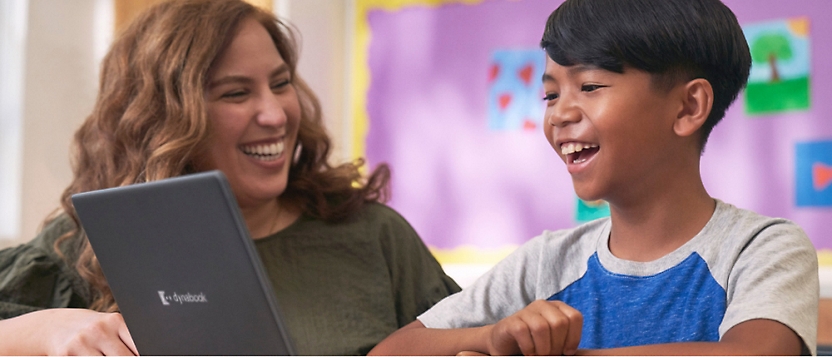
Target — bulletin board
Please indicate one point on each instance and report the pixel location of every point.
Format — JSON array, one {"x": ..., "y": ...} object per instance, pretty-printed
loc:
[{"x": 448, "y": 93}]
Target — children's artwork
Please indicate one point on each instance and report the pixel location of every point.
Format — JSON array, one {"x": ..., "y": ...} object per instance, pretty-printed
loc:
[
  {"x": 814, "y": 174},
  {"x": 779, "y": 79},
  {"x": 514, "y": 96},
  {"x": 590, "y": 210}
]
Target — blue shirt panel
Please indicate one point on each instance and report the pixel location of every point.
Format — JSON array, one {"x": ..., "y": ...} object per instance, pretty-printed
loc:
[{"x": 683, "y": 303}]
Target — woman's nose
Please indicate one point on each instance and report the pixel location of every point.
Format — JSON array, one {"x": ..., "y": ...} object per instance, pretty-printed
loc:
[{"x": 271, "y": 111}]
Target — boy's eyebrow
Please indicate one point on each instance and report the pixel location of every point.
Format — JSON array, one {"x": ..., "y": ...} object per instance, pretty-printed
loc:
[
  {"x": 580, "y": 68},
  {"x": 283, "y": 68},
  {"x": 571, "y": 71}
]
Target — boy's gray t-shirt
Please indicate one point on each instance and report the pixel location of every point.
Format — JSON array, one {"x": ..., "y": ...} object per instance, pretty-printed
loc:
[{"x": 741, "y": 266}]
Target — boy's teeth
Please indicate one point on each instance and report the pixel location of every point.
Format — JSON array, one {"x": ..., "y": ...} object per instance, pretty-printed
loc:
[{"x": 570, "y": 148}]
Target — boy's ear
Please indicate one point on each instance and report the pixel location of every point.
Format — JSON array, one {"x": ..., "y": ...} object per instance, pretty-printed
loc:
[{"x": 697, "y": 100}]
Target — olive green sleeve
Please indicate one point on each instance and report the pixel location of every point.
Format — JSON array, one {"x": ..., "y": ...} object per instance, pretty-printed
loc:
[
  {"x": 33, "y": 277},
  {"x": 417, "y": 278}
]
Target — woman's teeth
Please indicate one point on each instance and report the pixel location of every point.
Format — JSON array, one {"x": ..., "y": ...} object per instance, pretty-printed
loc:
[{"x": 264, "y": 152}]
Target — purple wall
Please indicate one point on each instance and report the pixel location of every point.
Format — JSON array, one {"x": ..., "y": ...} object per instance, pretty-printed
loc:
[{"x": 459, "y": 183}]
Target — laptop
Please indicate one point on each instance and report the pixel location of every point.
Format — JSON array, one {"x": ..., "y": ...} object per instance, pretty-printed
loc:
[{"x": 183, "y": 269}]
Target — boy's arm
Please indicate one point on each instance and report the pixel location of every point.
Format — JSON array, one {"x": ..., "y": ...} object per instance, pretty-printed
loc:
[
  {"x": 752, "y": 337},
  {"x": 542, "y": 328}
]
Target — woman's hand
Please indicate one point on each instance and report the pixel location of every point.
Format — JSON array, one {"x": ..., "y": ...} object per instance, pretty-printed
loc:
[
  {"x": 67, "y": 332},
  {"x": 541, "y": 328}
]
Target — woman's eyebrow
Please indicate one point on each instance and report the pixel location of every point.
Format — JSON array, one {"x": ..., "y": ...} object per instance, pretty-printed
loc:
[
  {"x": 283, "y": 68},
  {"x": 229, "y": 79}
]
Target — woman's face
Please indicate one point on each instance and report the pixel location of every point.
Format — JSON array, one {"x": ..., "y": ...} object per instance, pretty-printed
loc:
[{"x": 255, "y": 115}]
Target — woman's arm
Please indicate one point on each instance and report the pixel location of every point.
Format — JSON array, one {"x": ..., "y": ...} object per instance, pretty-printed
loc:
[{"x": 66, "y": 332}]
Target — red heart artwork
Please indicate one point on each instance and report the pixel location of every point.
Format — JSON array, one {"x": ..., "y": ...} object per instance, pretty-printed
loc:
[
  {"x": 525, "y": 74},
  {"x": 505, "y": 100}
]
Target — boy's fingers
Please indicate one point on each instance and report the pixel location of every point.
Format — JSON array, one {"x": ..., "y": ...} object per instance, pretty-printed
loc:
[
  {"x": 559, "y": 326},
  {"x": 573, "y": 335},
  {"x": 471, "y": 353},
  {"x": 522, "y": 335},
  {"x": 541, "y": 334}
]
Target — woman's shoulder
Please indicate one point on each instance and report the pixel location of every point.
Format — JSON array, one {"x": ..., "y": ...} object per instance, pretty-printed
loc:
[
  {"x": 42, "y": 245},
  {"x": 382, "y": 216},
  {"x": 381, "y": 211},
  {"x": 53, "y": 230}
]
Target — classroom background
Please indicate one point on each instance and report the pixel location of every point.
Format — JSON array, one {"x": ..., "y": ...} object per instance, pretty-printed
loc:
[{"x": 448, "y": 93}]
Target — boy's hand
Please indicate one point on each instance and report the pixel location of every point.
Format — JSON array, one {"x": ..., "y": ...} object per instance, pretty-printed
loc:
[{"x": 541, "y": 328}]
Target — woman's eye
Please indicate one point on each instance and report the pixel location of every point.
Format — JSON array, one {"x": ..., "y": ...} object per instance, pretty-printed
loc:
[
  {"x": 280, "y": 84},
  {"x": 234, "y": 94},
  {"x": 550, "y": 96}
]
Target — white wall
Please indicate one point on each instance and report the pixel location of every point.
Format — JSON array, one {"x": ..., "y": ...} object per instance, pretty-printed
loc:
[
  {"x": 324, "y": 60},
  {"x": 59, "y": 87},
  {"x": 13, "y": 20}
]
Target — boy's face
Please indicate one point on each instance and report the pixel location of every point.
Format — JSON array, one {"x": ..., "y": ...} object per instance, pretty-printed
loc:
[{"x": 613, "y": 130}]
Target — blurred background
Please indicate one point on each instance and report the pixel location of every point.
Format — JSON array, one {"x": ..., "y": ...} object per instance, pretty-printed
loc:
[{"x": 448, "y": 93}]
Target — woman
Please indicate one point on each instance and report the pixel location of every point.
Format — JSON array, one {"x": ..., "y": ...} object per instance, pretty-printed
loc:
[{"x": 195, "y": 85}]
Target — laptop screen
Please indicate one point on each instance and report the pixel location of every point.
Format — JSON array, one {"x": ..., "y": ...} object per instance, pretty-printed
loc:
[{"x": 182, "y": 267}]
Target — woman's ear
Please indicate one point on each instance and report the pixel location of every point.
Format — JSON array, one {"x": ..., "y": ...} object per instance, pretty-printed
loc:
[{"x": 697, "y": 100}]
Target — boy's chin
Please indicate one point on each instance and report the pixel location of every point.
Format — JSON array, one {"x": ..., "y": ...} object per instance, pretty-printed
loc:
[{"x": 587, "y": 194}]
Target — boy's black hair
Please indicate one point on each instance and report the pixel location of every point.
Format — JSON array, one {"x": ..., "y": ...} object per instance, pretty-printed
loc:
[{"x": 674, "y": 40}]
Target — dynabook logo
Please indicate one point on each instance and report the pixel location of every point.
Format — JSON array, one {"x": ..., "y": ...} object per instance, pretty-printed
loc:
[{"x": 181, "y": 299}]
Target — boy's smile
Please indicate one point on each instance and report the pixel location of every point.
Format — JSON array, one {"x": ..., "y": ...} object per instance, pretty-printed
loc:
[
  {"x": 613, "y": 130},
  {"x": 578, "y": 153}
]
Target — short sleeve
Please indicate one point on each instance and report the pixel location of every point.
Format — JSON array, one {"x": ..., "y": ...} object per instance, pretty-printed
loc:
[
  {"x": 418, "y": 281},
  {"x": 776, "y": 278},
  {"x": 508, "y": 287}
]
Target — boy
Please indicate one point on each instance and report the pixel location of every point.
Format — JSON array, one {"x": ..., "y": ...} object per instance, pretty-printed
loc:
[{"x": 633, "y": 89}]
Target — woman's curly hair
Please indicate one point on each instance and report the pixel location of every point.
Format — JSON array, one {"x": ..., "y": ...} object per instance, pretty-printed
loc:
[{"x": 149, "y": 120}]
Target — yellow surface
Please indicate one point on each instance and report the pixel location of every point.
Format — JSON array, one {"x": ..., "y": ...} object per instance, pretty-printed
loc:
[
  {"x": 825, "y": 257},
  {"x": 467, "y": 254}
]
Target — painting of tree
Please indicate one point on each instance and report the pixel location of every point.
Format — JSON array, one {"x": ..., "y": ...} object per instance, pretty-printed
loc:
[
  {"x": 780, "y": 71},
  {"x": 769, "y": 48}
]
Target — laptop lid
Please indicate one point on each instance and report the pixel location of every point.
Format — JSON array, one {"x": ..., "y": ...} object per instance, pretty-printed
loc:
[{"x": 183, "y": 269}]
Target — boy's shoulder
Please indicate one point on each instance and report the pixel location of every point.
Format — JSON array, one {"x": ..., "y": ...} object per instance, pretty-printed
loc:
[
  {"x": 566, "y": 245},
  {"x": 738, "y": 226},
  {"x": 727, "y": 234}
]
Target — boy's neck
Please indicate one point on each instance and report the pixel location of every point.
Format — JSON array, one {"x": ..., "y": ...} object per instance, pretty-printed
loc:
[{"x": 658, "y": 223}]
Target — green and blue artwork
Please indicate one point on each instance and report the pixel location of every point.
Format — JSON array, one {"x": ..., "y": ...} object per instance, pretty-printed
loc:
[
  {"x": 591, "y": 210},
  {"x": 780, "y": 70}
]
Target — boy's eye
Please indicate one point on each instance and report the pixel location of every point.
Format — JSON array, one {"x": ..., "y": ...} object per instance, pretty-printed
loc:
[
  {"x": 550, "y": 96},
  {"x": 590, "y": 87}
]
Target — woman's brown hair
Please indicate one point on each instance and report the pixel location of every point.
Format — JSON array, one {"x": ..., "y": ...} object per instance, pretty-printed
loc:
[{"x": 149, "y": 120}]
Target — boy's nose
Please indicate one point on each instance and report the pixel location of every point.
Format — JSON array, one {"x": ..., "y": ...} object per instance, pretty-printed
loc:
[{"x": 562, "y": 113}]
